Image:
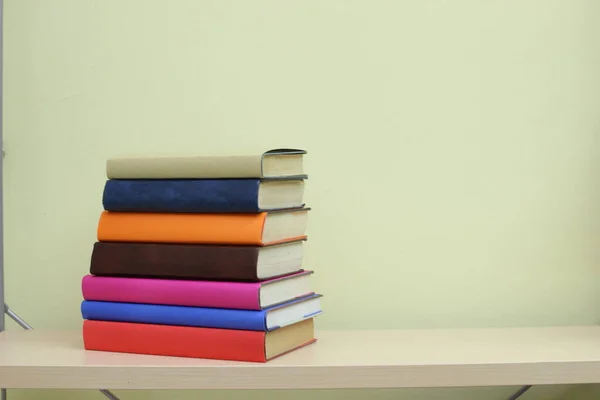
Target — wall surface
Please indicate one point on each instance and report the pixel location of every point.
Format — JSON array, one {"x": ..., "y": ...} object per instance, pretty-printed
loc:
[{"x": 453, "y": 149}]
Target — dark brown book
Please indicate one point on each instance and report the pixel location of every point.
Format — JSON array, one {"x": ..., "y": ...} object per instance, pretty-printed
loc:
[{"x": 196, "y": 261}]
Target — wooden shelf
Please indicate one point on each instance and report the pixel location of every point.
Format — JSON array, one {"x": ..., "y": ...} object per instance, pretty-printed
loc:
[{"x": 340, "y": 359}]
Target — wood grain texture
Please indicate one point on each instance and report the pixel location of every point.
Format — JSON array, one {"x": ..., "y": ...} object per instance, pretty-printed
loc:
[{"x": 340, "y": 359}]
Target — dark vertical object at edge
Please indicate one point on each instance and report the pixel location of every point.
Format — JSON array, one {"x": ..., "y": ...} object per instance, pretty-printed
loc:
[
  {"x": 2, "y": 391},
  {"x": 2, "y": 318}
]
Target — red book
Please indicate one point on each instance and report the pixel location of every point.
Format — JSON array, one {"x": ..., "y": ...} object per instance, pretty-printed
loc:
[{"x": 193, "y": 342}]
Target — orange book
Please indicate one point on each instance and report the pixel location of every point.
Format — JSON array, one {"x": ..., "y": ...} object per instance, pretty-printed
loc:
[
  {"x": 193, "y": 342},
  {"x": 260, "y": 229}
]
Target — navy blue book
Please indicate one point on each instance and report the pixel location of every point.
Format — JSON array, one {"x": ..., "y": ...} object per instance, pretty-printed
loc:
[
  {"x": 262, "y": 320},
  {"x": 202, "y": 195}
]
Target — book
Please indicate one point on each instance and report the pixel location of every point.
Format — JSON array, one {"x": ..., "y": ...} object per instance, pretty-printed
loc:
[
  {"x": 192, "y": 342},
  {"x": 197, "y": 261},
  {"x": 275, "y": 163},
  {"x": 211, "y": 228},
  {"x": 191, "y": 293},
  {"x": 202, "y": 195},
  {"x": 268, "y": 319}
]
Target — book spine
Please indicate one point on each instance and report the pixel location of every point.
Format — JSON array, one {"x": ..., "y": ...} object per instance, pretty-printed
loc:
[
  {"x": 174, "y": 341},
  {"x": 182, "y": 195},
  {"x": 223, "y": 228},
  {"x": 175, "y": 261},
  {"x": 174, "y": 315},
  {"x": 185, "y": 167},
  {"x": 233, "y": 295}
]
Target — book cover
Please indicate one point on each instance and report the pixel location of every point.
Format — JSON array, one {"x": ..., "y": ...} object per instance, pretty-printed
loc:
[
  {"x": 213, "y": 228},
  {"x": 193, "y": 195},
  {"x": 194, "y": 261},
  {"x": 252, "y": 320},
  {"x": 194, "y": 342},
  {"x": 272, "y": 163},
  {"x": 191, "y": 293}
]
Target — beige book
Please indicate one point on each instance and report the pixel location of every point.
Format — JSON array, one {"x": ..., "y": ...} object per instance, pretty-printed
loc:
[{"x": 276, "y": 163}]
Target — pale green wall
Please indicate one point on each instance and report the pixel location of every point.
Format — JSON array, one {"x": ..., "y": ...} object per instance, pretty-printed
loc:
[{"x": 453, "y": 148}]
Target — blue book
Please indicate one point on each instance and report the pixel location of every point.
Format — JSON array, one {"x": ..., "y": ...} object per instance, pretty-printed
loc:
[
  {"x": 261, "y": 320},
  {"x": 202, "y": 195}
]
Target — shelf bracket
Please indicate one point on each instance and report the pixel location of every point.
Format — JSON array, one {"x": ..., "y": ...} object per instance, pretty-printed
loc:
[
  {"x": 519, "y": 392},
  {"x": 108, "y": 394},
  {"x": 23, "y": 324},
  {"x": 15, "y": 317}
]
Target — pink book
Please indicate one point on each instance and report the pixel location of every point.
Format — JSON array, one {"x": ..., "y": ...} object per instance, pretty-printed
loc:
[{"x": 215, "y": 294}]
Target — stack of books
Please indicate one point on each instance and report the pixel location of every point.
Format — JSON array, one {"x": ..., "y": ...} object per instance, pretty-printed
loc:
[{"x": 202, "y": 257}]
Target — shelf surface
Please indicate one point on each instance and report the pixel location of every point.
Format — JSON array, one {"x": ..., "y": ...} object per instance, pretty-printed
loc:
[{"x": 340, "y": 359}]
